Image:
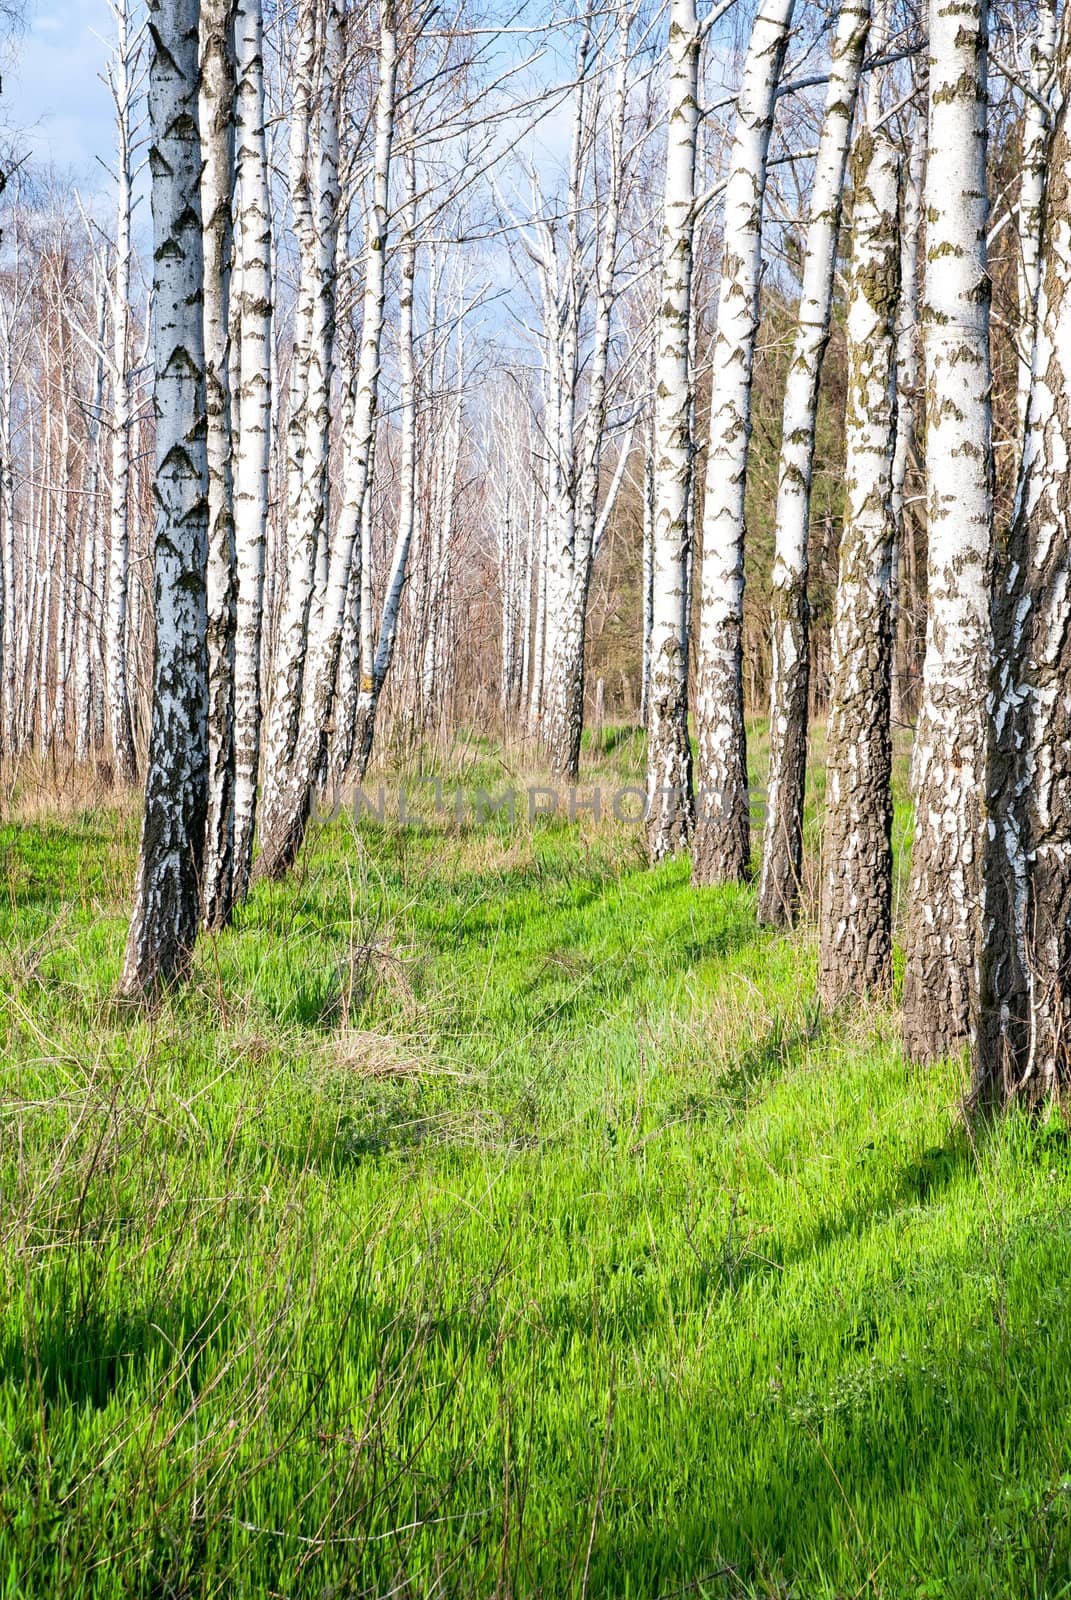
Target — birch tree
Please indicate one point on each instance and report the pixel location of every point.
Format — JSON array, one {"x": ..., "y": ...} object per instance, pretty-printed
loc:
[
  {"x": 1021, "y": 1042},
  {"x": 782, "y": 846},
  {"x": 908, "y": 365},
  {"x": 669, "y": 806},
  {"x": 122, "y": 79},
  {"x": 855, "y": 932},
  {"x": 315, "y": 202},
  {"x": 949, "y": 760},
  {"x": 88, "y": 661},
  {"x": 164, "y": 921},
  {"x": 217, "y": 96},
  {"x": 287, "y": 802},
  {"x": 572, "y": 546},
  {"x": 8, "y": 629},
  {"x": 1037, "y": 120},
  {"x": 721, "y": 848},
  {"x": 254, "y": 419}
]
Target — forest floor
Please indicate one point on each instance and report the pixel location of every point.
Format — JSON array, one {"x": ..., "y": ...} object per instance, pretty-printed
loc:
[{"x": 493, "y": 1216}]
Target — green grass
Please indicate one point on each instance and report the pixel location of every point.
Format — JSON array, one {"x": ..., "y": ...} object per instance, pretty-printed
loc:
[{"x": 493, "y": 1216}]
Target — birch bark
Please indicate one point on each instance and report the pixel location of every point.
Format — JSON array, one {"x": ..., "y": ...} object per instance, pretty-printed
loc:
[
  {"x": 164, "y": 921},
  {"x": 669, "y": 806},
  {"x": 950, "y": 753},
  {"x": 253, "y": 447},
  {"x": 908, "y": 367},
  {"x": 782, "y": 845},
  {"x": 1022, "y": 1043},
  {"x": 564, "y": 718},
  {"x": 309, "y": 398},
  {"x": 216, "y": 112},
  {"x": 1037, "y": 120},
  {"x": 286, "y": 808},
  {"x": 86, "y": 662},
  {"x": 855, "y": 927},
  {"x": 721, "y": 848},
  {"x": 8, "y": 723},
  {"x": 121, "y": 76}
]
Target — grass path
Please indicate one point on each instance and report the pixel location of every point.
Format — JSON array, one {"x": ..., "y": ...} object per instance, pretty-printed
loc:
[{"x": 496, "y": 1217}]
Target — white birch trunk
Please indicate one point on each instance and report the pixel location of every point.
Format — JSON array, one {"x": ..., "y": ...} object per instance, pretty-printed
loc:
[
  {"x": 286, "y": 807},
  {"x": 782, "y": 845},
  {"x": 1037, "y": 120},
  {"x": 566, "y": 709},
  {"x": 647, "y": 580},
  {"x": 375, "y": 667},
  {"x": 304, "y": 427},
  {"x": 908, "y": 370},
  {"x": 669, "y": 753},
  {"x": 855, "y": 923},
  {"x": 721, "y": 847},
  {"x": 253, "y": 448},
  {"x": 1022, "y": 1042},
  {"x": 950, "y": 755},
  {"x": 164, "y": 922},
  {"x": 216, "y": 110},
  {"x": 9, "y": 739},
  {"x": 121, "y": 727},
  {"x": 86, "y": 659}
]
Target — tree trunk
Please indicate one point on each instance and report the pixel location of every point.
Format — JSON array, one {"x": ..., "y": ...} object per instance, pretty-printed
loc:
[
  {"x": 122, "y": 732},
  {"x": 669, "y": 808},
  {"x": 908, "y": 363},
  {"x": 217, "y": 199},
  {"x": 8, "y": 678},
  {"x": 950, "y": 755},
  {"x": 855, "y": 933},
  {"x": 782, "y": 845},
  {"x": 306, "y": 443},
  {"x": 721, "y": 848},
  {"x": 647, "y": 578},
  {"x": 1037, "y": 118},
  {"x": 86, "y": 664},
  {"x": 286, "y": 807},
  {"x": 163, "y": 925},
  {"x": 565, "y": 719},
  {"x": 253, "y": 453},
  {"x": 1022, "y": 1043}
]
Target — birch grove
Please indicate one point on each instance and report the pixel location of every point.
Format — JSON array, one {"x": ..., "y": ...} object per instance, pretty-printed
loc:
[{"x": 467, "y": 372}]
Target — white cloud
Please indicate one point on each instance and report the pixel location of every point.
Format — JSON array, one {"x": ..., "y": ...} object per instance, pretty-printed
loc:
[{"x": 53, "y": 96}]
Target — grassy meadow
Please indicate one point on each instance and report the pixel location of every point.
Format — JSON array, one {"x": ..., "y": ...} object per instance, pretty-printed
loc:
[{"x": 493, "y": 1216}]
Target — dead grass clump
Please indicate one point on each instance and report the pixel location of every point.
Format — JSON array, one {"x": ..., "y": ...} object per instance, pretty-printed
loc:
[{"x": 367, "y": 1054}]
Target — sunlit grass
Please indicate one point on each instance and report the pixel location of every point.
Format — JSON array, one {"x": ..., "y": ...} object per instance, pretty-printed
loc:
[{"x": 493, "y": 1216}]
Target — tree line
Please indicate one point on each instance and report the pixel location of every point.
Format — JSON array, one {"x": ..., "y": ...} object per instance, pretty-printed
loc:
[{"x": 405, "y": 381}]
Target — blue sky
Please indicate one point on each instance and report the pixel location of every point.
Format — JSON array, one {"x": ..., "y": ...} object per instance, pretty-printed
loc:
[{"x": 53, "y": 94}]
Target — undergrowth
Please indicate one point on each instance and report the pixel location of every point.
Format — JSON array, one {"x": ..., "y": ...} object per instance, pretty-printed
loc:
[{"x": 494, "y": 1216}]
